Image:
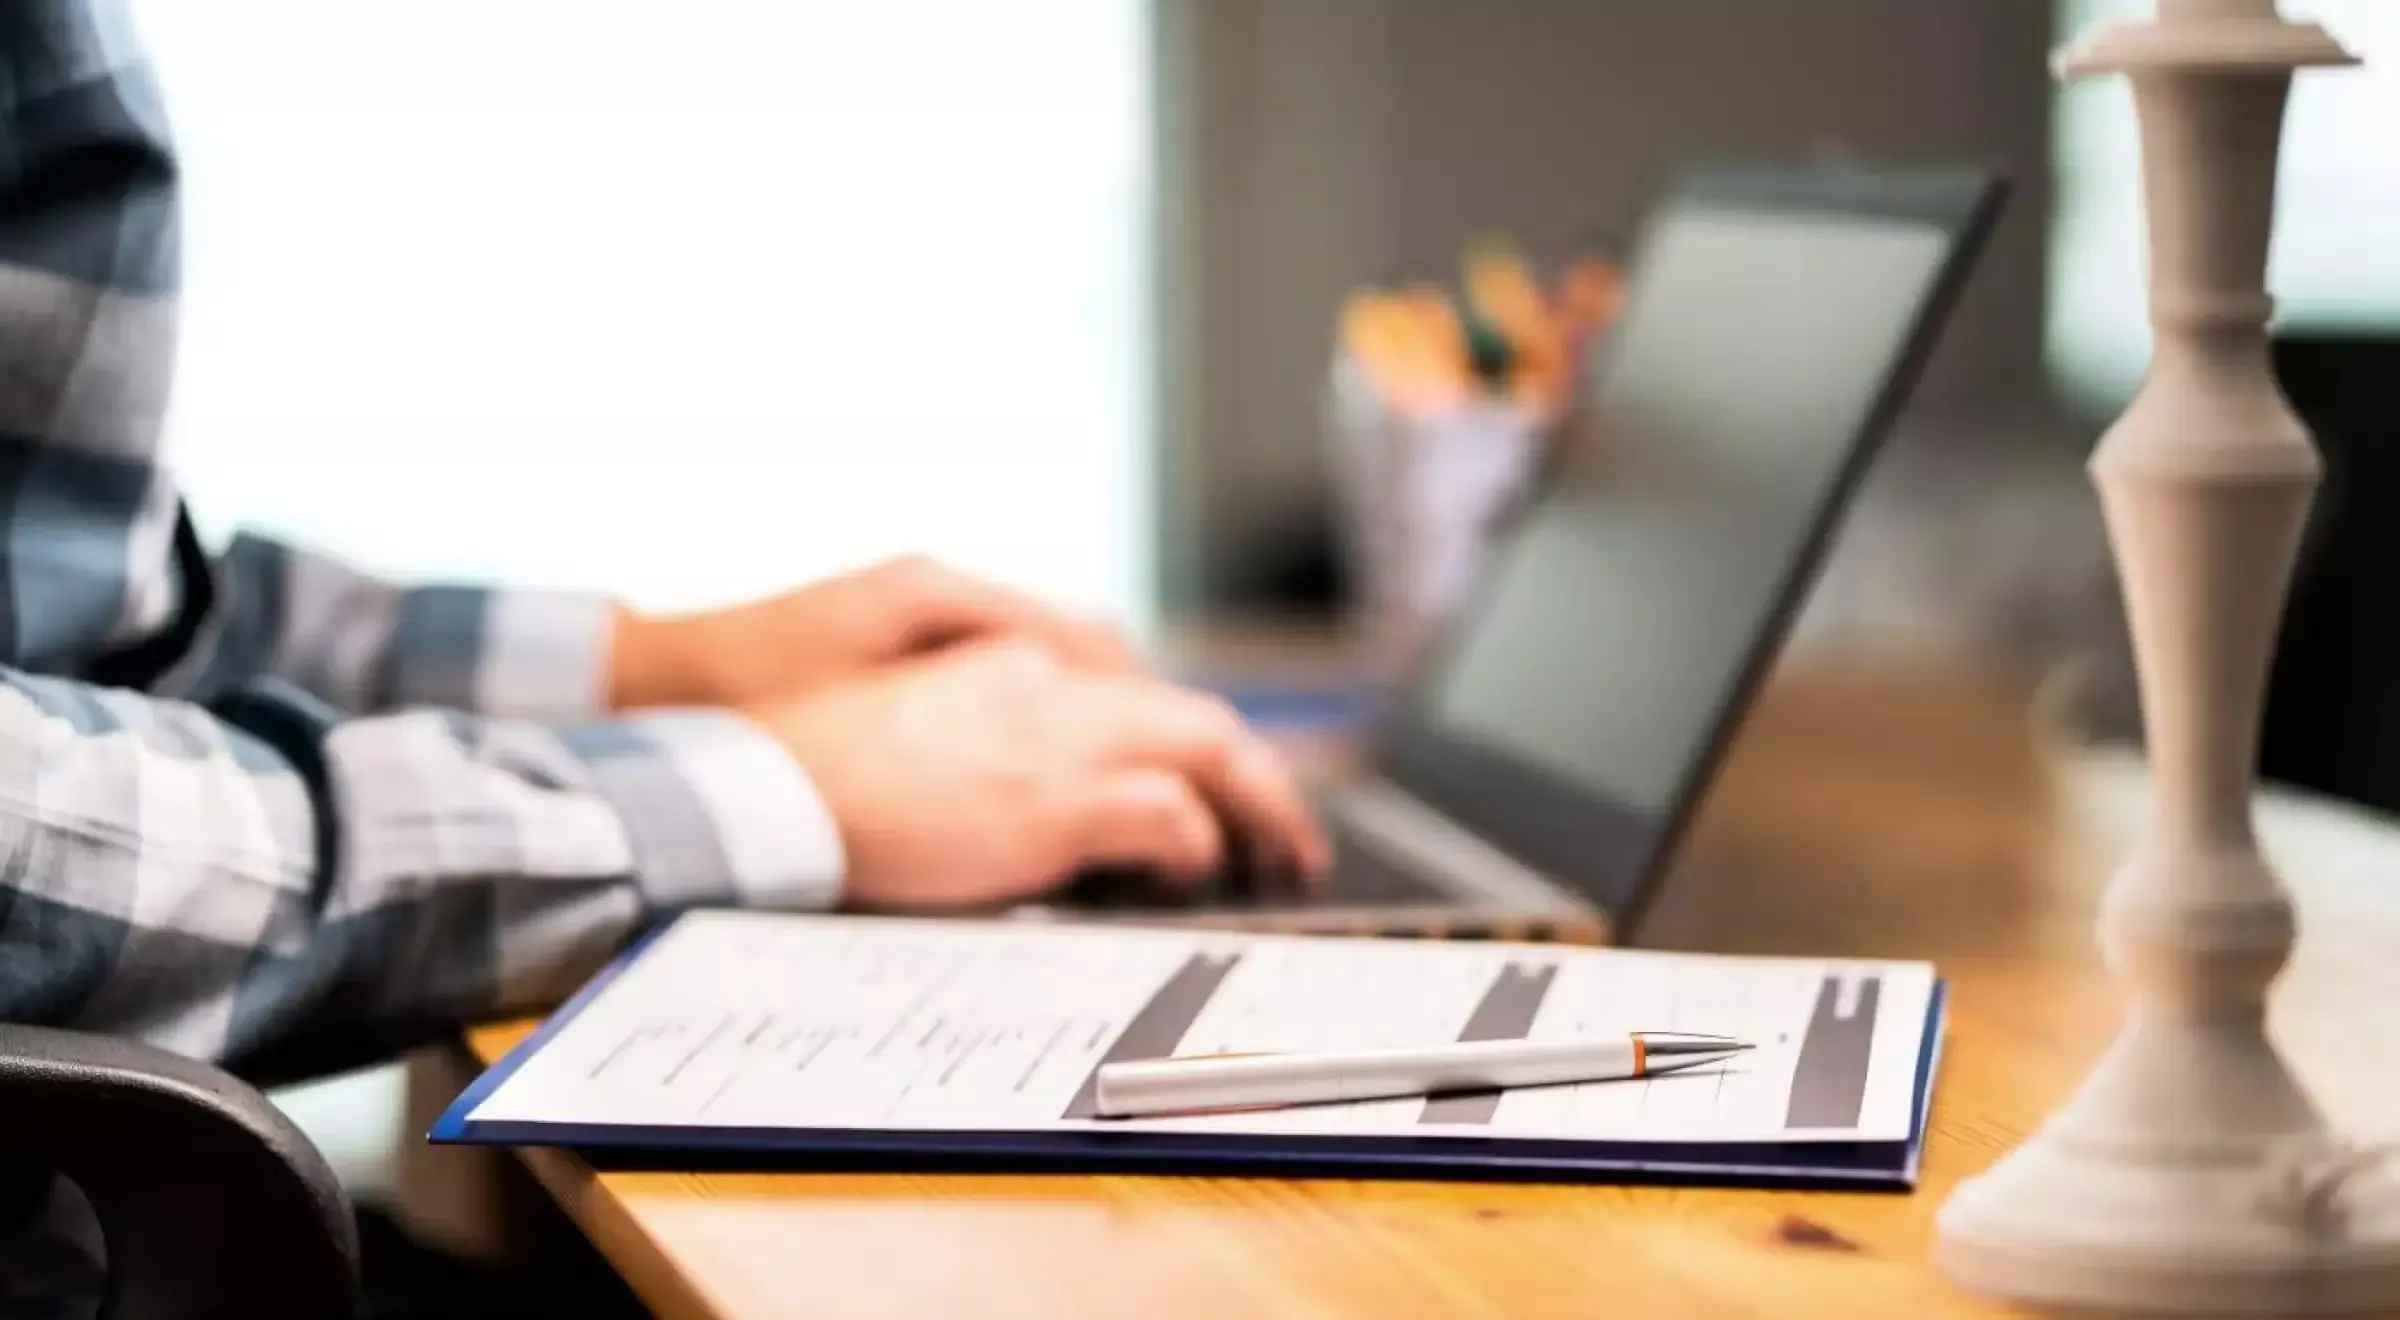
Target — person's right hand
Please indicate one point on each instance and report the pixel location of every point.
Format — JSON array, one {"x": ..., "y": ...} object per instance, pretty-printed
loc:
[{"x": 991, "y": 774}]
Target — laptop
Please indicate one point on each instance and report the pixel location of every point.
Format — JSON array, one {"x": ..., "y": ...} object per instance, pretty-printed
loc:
[{"x": 1552, "y": 745}]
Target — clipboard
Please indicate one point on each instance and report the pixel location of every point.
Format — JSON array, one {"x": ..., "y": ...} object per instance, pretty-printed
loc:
[{"x": 1910, "y": 1027}]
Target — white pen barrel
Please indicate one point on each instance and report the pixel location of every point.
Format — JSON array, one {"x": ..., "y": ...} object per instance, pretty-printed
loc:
[{"x": 1202, "y": 1082}]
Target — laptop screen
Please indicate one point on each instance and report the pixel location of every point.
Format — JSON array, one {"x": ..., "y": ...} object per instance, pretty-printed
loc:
[{"x": 1619, "y": 622}]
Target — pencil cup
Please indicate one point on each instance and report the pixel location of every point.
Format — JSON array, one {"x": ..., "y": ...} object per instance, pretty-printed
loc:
[{"x": 1418, "y": 499}]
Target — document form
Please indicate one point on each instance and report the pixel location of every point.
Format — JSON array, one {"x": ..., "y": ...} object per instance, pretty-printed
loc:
[{"x": 758, "y": 1021}]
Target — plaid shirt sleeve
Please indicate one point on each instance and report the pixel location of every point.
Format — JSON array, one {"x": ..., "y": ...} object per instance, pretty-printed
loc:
[
  {"x": 362, "y": 644},
  {"x": 255, "y": 800}
]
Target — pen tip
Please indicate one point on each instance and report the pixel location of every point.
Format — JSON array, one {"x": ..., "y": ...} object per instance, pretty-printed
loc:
[{"x": 1667, "y": 1044}]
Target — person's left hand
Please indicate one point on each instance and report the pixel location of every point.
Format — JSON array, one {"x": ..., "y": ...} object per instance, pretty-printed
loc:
[{"x": 839, "y": 628}]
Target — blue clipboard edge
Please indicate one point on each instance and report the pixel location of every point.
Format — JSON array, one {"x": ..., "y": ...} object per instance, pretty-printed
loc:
[
  {"x": 1892, "y": 1166},
  {"x": 453, "y": 1127}
]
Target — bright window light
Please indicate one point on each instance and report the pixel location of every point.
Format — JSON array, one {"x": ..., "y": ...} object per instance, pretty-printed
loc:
[
  {"x": 2334, "y": 263},
  {"x": 684, "y": 300}
]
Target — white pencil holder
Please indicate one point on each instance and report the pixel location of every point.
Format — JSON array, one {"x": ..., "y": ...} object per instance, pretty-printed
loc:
[{"x": 1418, "y": 499}]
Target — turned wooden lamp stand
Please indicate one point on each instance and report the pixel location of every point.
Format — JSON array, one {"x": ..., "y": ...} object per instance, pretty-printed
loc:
[{"x": 2191, "y": 1175}]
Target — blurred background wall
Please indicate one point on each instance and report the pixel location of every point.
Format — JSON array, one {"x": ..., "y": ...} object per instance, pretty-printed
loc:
[{"x": 1310, "y": 145}]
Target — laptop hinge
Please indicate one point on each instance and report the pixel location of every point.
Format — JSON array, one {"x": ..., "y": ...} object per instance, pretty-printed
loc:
[{"x": 1406, "y": 830}]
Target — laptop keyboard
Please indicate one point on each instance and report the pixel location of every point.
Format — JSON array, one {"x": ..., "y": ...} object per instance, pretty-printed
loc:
[
  {"x": 1364, "y": 875},
  {"x": 1360, "y": 875}
]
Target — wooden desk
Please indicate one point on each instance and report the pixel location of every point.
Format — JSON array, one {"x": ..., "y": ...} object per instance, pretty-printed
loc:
[{"x": 1865, "y": 815}]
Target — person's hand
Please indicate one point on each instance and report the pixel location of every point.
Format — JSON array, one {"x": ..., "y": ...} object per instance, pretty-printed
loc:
[
  {"x": 993, "y": 773},
  {"x": 837, "y": 629}
]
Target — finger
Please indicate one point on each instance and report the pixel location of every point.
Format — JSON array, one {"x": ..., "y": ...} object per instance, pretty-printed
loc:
[
  {"x": 1155, "y": 725},
  {"x": 1151, "y": 819},
  {"x": 950, "y": 607},
  {"x": 1260, "y": 788}
]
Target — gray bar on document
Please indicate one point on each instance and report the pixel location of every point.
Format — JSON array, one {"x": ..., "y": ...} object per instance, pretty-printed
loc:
[
  {"x": 1160, "y": 1025},
  {"x": 1506, "y": 1013},
  {"x": 1829, "y": 1085}
]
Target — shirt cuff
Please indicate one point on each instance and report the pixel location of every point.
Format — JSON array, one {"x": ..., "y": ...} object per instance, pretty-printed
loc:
[
  {"x": 517, "y": 653},
  {"x": 716, "y": 812}
]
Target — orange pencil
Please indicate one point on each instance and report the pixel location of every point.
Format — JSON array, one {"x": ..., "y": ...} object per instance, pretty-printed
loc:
[
  {"x": 1402, "y": 343},
  {"x": 1508, "y": 298},
  {"x": 1590, "y": 294},
  {"x": 1434, "y": 346}
]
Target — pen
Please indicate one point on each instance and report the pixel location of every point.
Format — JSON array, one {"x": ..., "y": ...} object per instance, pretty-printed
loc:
[{"x": 1202, "y": 1082}]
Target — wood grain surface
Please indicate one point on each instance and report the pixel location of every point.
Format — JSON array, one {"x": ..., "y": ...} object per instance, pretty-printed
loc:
[{"x": 1862, "y": 813}]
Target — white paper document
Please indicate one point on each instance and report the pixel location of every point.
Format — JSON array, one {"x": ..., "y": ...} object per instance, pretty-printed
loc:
[{"x": 850, "y": 1023}]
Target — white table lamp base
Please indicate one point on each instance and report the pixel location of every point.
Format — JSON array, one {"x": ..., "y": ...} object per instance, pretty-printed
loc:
[
  {"x": 2091, "y": 1216},
  {"x": 2190, "y": 1175}
]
